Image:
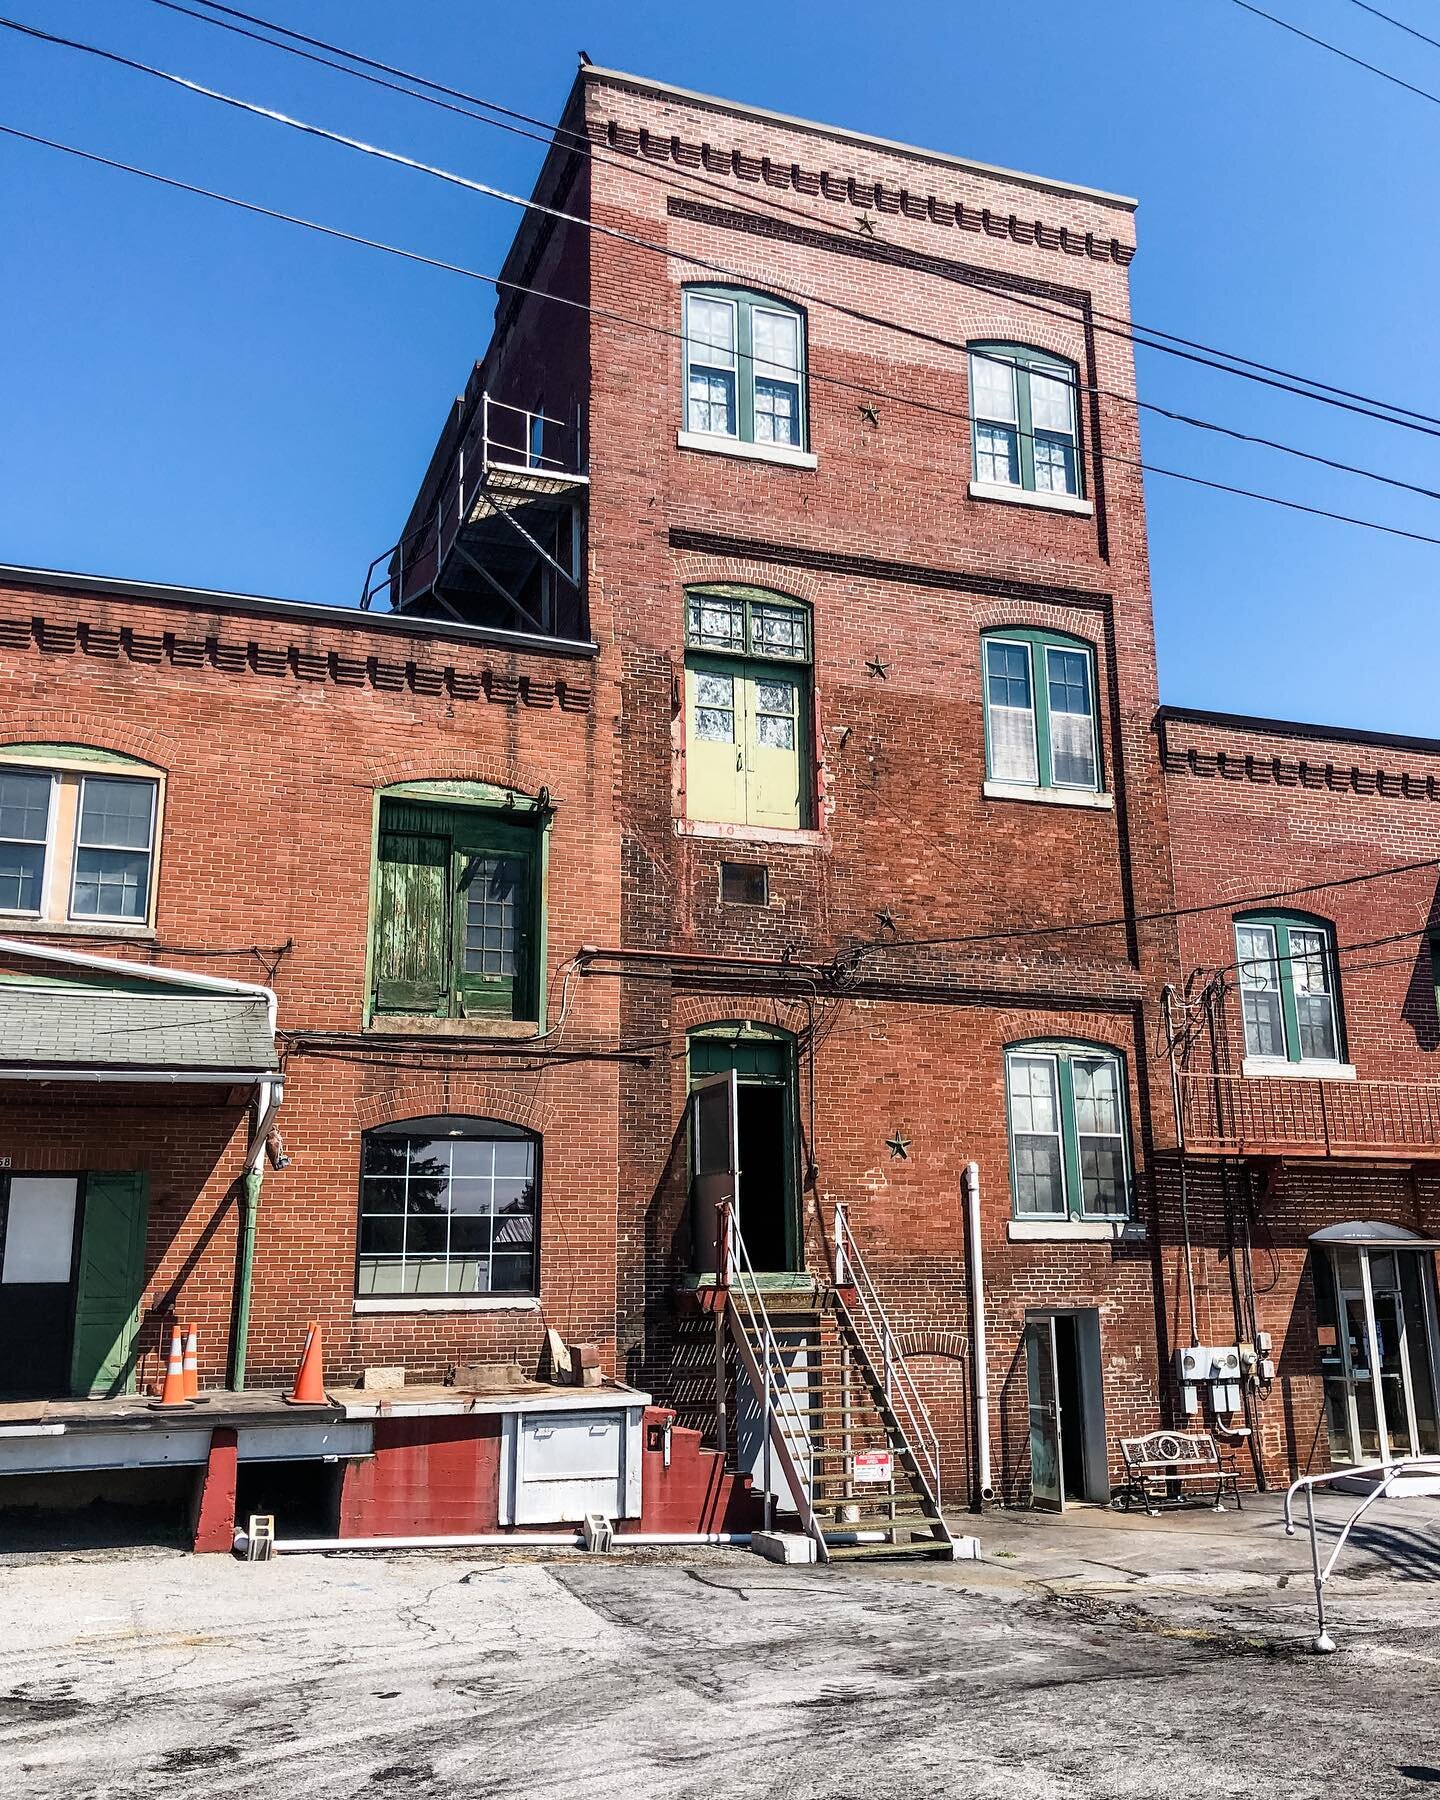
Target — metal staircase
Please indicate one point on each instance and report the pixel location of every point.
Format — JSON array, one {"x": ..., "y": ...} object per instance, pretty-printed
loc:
[{"x": 842, "y": 1421}]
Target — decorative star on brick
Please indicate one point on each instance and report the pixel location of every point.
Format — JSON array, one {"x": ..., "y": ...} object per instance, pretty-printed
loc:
[
  {"x": 864, "y": 224},
  {"x": 869, "y": 413},
  {"x": 877, "y": 670},
  {"x": 887, "y": 919},
  {"x": 899, "y": 1145}
]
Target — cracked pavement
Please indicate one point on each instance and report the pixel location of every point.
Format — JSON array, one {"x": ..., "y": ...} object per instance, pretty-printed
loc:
[{"x": 1090, "y": 1656}]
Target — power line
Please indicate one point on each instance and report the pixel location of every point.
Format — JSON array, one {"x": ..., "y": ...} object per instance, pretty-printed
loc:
[
  {"x": 630, "y": 323},
  {"x": 546, "y": 134},
  {"x": 1149, "y": 918},
  {"x": 1399, "y": 24},
  {"x": 1344, "y": 55},
  {"x": 854, "y": 313}
]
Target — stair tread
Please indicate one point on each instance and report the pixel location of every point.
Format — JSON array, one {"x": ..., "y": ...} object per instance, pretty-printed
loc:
[{"x": 933, "y": 1549}]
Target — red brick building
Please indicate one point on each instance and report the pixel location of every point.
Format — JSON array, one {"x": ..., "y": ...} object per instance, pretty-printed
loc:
[
  {"x": 1307, "y": 1037},
  {"x": 763, "y": 675}
]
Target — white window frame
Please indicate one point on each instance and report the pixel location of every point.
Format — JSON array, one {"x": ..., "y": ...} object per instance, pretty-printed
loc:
[
  {"x": 692, "y": 361},
  {"x": 47, "y": 865},
  {"x": 1087, "y": 657},
  {"x": 76, "y": 847}
]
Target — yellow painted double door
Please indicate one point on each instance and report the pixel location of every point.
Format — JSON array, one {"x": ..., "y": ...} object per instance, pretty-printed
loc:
[{"x": 745, "y": 743}]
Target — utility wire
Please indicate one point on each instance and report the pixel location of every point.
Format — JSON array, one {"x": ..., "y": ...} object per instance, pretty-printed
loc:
[
  {"x": 547, "y": 134},
  {"x": 1399, "y": 24},
  {"x": 1344, "y": 55},
  {"x": 634, "y": 324}
]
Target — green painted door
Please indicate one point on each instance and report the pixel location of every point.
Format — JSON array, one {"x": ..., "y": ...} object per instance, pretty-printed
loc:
[
  {"x": 108, "y": 1287},
  {"x": 413, "y": 932}
]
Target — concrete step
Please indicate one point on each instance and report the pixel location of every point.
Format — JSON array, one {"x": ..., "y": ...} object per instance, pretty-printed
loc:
[{"x": 921, "y": 1549}]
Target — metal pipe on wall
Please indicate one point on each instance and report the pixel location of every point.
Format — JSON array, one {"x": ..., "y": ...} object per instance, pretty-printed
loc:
[{"x": 977, "y": 1334}]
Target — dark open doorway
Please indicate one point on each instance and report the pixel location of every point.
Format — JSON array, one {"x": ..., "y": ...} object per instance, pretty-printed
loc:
[
  {"x": 764, "y": 1187},
  {"x": 1071, "y": 1393},
  {"x": 743, "y": 1115}
]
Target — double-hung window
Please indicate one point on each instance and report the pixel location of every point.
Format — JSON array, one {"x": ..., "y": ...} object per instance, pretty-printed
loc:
[
  {"x": 448, "y": 1208},
  {"x": 1024, "y": 420},
  {"x": 457, "y": 903},
  {"x": 1040, "y": 714},
  {"x": 1285, "y": 968},
  {"x": 747, "y": 704},
  {"x": 77, "y": 836},
  {"x": 1068, "y": 1150},
  {"x": 744, "y": 368}
]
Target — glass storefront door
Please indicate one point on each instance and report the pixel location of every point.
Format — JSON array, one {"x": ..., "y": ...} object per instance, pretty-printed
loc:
[{"x": 1376, "y": 1313}]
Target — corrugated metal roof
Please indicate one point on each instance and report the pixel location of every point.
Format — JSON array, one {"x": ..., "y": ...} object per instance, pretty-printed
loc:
[{"x": 76, "y": 1028}]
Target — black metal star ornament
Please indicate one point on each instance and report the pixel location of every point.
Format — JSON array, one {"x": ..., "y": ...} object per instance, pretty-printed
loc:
[
  {"x": 868, "y": 412},
  {"x": 899, "y": 1145},
  {"x": 878, "y": 670},
  {"x": 864, "y": 224}
]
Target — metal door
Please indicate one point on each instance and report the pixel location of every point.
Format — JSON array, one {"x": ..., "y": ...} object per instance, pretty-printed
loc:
[
  {"x": 714, "y": 1138},
  {"x": 1047, "y": 1474}
]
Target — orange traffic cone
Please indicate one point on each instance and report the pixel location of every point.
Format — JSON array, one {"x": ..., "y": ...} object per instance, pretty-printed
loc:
[
  {"x": 192, "y": 1369},
  {"x": 309, "y": 1389},
  {"x": 173, "y": 1392}
]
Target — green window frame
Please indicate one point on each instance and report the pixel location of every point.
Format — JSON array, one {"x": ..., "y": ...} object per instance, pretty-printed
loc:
[
  {"x": 1025, "y": 420},
  {"x": 457, "y": 911},
  {"x": 747, "y": 708},
  {"x": 1288, "y": 981},
  {"x": 1067, "y": 1117},
  {"x": 744, "y": 367},
  {"x": 1042, "y": 717}
]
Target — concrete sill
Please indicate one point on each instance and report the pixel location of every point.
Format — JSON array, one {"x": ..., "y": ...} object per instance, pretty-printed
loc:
[
  {"x": 802, "y": 837},
  {"x": 427, "y": 1025},
  {"x": 1042, "y": 796},
  {"x": 26, "y": 924},
  {"x": 1018, "y": 496},
  {"x": 727, "y": 446},
  {"x": 1060, "y": 1231},
  {"x": 447, "y": 1303},
  {"x": 1272, "y": 1068}
]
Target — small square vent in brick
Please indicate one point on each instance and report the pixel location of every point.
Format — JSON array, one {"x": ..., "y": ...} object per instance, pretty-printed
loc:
[{"x": 745, "y": 884}]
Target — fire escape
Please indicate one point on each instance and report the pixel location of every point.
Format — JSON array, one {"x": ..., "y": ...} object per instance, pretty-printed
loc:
[{"x": 499, "y": 538}]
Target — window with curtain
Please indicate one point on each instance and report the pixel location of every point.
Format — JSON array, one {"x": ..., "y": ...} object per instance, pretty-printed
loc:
[
  {"x": 1041, "y": 727},
  {"x": 1069, "y": 1153},
  {"x": 1024, "y": 419},
  {"x": 744, "y": 368},
  {"x": 1289, "y": 999}
]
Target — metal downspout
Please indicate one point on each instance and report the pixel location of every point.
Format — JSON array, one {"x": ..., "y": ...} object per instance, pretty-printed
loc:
[
  {"x": 977, "y": 1336},
  {"x": 267, "y": 1104},
  {"x": 1167, "y": 1001}
]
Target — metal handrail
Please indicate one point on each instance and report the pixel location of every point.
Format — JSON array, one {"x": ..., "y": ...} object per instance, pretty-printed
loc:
[
  {"x": 850, "y": 1271},
  {"x": 781, "y": 1410},
  {"x": 1389, "y": 1472}
]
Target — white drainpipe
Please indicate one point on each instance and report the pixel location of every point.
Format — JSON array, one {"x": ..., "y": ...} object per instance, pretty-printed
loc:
[{"x": 977, "y": 1330}]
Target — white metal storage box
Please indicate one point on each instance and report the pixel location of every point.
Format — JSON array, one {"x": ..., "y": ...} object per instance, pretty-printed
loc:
[{"x": 557, "y": 1464}]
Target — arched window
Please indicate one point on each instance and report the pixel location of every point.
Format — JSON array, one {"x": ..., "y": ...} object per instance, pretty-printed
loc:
[
  {"x": 448, "y": 1208},
  {"x": 1289, "y": 996},
  {"x": 1040, "y": 712},
  {"x": 747, "y": 707},
  {"x": 1069, "y": 1145},
  {"x": 744, "y": 367},
  {"x": 78, "y": 834},
  {"x": 1024, "y": 420}
]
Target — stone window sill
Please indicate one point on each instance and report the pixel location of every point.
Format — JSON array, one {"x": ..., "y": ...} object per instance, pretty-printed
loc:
[
  {"x": 728, "y": 446},
  {"x": 447, "y": 1303},
  {"x": 425, "y": 1025},
  {"x": 1018, "y": 496},
  {"x": 1043, "y": 796},
  {"x": 802, "y": 837},
  {"x": 1059, "y": 1231},
  {"x": 13, "y": 925},
  {"x": 1272, "y": 1068}
]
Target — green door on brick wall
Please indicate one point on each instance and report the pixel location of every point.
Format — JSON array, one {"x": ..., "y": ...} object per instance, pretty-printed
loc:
[{"x": 109, "y": 1280}]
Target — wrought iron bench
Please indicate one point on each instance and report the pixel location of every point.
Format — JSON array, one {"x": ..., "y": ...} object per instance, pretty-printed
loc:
[{"x": 1163, "y": 1465}]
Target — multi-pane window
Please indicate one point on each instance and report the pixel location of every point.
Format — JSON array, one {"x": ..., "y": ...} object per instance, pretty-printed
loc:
[
  {"x": 744, "y": 368},
  {"x": 746, "y": 695},
  {"x": 1040, "y": 717},
  {"x": 1068, "y": 1152},
  {"x": 456, "y": 912},
  {"x": 1285, "y": 970},
  {"x": 1022, "y": 404},
  {"x": 448, "y": 1206},
  {"x": 76, "y": 844}
]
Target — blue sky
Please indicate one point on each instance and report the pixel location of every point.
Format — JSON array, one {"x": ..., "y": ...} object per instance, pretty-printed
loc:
[{"x": 194, "y": 395}]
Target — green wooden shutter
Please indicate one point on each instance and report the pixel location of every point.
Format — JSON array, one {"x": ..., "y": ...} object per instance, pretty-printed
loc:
[
  {"x": 412, "y": 923},
  {"x": 112, "y": 1276}
]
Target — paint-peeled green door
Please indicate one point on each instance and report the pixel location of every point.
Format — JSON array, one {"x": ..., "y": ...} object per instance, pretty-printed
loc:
[
  {"x": 413, "y": 918},
  {"x": 112, "y": 1275}
]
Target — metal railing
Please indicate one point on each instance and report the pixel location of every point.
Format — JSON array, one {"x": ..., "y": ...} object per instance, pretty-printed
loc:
[
  {"x": 500, "y": 439},
  {"x": 1389, "y": 1473},
  {"x": 885, "y": 1355},
  {"x": 785, "y": 1426},
  {"x": 1226, "y": 1113}
]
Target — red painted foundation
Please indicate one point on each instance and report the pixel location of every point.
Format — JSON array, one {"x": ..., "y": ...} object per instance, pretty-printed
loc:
[
  {"x": 696, "y": 1493},
  {"x": 427, "y": 1478},
  {"x": 214, "y": 1513}
]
